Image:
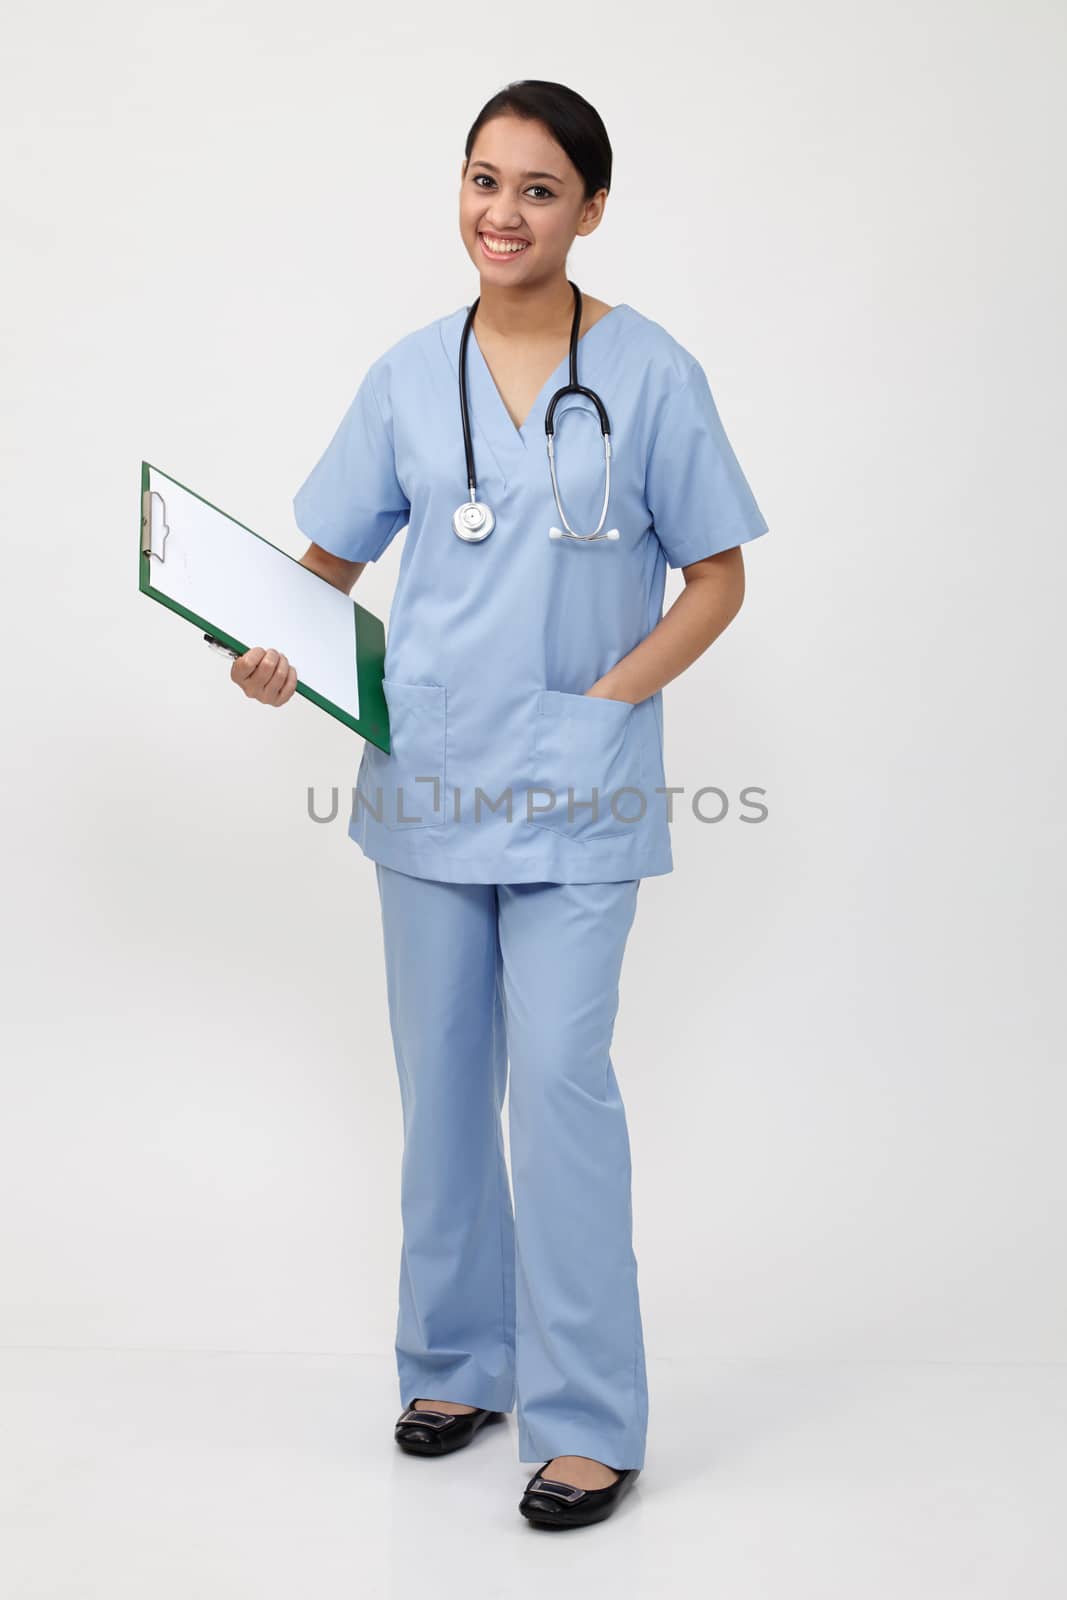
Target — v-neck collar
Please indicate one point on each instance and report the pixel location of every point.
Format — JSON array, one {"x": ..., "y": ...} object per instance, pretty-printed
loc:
[{"x": 486, "y": 400}]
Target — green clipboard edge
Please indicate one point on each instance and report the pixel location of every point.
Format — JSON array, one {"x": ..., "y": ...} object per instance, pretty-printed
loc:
[{"x": 368, "y": 630}]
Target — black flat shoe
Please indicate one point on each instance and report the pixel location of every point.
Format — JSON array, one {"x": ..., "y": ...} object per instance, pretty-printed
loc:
[
  {"x": 550, "y": 1504},
  {"x": 435, "y": 1433}
]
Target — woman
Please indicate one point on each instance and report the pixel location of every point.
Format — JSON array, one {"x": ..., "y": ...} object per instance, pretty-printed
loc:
[{"x": 522, "y": 799}]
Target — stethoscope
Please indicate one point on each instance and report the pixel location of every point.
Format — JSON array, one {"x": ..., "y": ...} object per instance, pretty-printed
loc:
[{"x": 474, "y": 520}]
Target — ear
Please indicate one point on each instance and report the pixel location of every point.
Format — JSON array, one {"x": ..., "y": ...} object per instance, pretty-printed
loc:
[{"x": 592, "y": 212}]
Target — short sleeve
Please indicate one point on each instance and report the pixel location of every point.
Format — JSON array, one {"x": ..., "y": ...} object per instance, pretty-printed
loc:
[
  {"x": 351, "y": 503},
  {"x": 695, "y": 490}
]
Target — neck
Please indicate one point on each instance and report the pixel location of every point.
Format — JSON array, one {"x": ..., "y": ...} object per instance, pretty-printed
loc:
[{"x": 529, "y": 309}]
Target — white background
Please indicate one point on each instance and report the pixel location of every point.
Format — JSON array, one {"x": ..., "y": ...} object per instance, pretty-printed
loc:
[{"x": 839, "y": 1040}]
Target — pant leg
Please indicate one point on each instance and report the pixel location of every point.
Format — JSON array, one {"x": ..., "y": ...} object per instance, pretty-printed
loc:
[
  {"x": 455, "y": 1337},
  {"x": 581, "y": 1383}
]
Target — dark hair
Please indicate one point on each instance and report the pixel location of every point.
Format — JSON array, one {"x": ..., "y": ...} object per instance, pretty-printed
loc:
[{"x": 573, "y": 123}]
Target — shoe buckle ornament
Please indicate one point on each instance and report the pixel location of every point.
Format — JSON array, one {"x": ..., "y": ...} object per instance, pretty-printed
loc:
[
  {"x": 432, "y": 1419},
  {"x": 559, "y": 1491}
]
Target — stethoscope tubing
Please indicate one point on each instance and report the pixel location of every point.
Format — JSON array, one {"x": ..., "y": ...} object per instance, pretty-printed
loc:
[{"x": 571, "y": 387}]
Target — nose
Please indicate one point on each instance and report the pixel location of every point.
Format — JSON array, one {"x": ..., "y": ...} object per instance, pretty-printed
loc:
[{"x": 503, "y": 221}]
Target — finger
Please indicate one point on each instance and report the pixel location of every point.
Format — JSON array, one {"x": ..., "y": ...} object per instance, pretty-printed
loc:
[
  {"x": 275, "y": 691},
  {"x": 288, "y": 688},
  {"x": 279, "y": 673},
  {"x": 264, "y": 672},
  {"x": 264, "y": 677},
  {"x": 244, "y": 665}
]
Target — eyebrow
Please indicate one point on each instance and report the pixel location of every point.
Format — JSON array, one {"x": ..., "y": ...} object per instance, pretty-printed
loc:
[{"x": 491, "y": 168}]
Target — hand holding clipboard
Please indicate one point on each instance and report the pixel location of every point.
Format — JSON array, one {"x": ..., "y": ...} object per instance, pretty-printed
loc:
[{"x": 235, "y": 586}]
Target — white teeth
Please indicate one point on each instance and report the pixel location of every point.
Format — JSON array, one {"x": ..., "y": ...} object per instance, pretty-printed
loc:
[{"x": 502, "y": 249}]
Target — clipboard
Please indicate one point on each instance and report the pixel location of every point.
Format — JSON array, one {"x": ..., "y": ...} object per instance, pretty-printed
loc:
[{"x": 241, "y": 590}]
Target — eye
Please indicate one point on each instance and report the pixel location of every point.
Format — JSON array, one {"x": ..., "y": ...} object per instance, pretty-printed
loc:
[{"x": 478, "y": 176}]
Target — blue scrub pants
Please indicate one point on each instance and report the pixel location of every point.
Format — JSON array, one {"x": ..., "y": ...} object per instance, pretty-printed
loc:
[{"x": 536, "y": 1302}]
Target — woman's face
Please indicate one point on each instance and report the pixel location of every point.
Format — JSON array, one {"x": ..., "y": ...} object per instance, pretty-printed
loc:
[{"x": 520, "y": 188}]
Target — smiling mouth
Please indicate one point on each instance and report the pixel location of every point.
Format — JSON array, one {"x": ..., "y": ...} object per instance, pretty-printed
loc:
[{"x": 500, "y": 247}]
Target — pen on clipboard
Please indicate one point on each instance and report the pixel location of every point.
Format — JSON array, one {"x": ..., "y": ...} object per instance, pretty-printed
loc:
[{"x": 217, "y": 644}]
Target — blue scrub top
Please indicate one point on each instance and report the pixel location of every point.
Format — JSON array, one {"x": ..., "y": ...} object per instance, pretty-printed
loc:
[{"x": 496, "y": 747}]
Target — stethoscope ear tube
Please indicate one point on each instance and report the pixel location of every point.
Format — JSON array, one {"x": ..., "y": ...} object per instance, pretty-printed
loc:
[{"x": 474, "y": 520}]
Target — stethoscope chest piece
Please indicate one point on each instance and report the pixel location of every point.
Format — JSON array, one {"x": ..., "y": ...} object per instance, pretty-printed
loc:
[{"x": 473, "y": 521}]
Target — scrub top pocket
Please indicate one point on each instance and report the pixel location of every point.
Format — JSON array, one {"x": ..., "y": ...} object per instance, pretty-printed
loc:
[
  {"x": 583, "y": 742},
  {"x": 412, "y": 776}
]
